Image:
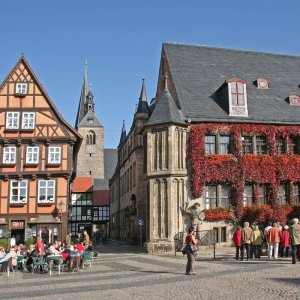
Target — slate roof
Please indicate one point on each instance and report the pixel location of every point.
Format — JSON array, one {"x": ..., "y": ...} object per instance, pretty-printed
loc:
[
  {"x": 165, "y": 111},
  {"x": 143, "y": 106},
  {"x": 199, "y": 71},
  {"x": 123, "y": 135},
  {"x": 86, "y": 123}
]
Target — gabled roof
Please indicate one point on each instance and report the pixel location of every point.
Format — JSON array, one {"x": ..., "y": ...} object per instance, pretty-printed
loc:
[
  {"x": 23, "y": 60},
  {"x": 165, "y": 111},
  {"x": 82, "y": 185},
  {"x": 86, "y": 121},
  {"x": 197, "y": 73}
]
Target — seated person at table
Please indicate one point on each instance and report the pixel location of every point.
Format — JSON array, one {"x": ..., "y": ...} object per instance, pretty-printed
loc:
[
  {"x": 2, "y": 252},
  {"x": 4, "y": 260},
  {"x": 90, "y": 246},
  {"x": 14, "y": 256},
  {"x": 21, "y": 250},
  {"x": 72, "y": 257},
  {"x": 32, "y": 252},
  {"x": 80, "y": 247},
  {"x": 52, "y": 250}
]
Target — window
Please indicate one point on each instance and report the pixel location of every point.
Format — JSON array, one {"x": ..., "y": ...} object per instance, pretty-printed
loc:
[
  {"x": 12, "y": 120},
  {"x": 225, "y": 199},
  {"x": 86, "y": 211},
  {"x": 261, "y": 145},
  {"x": 296, "y": 193},
  {"x": 211, "y": 197},
  {"x": 28, "y": 119},
  {"x": 95, "y": 213},
  {"x": 32, "y": 155},
  {"x": 294, "y": 145},
  {"x": 91, "y": 138},
  {"x": 104, "y": 213},
  {"x": 18, "y": 192},
  {"x": 282, "y": 194},
  {"x": 9, "y": 155},
  {"x": 223, "y": 235},
  {"x": 21, "y": 88},
  {"x": 247, "y": 145},
  {"x": 280, "y": 145},
  {"x": 54, "y": 155},
  {"x": 224, "y": 144},
  {"x": 46, "y": 191},
  {"x": 210, "y": 144},
  {"x": 237, "y": 93},
  {"x": 248, "y": 195},
  {"x": 262, "y": 194}
]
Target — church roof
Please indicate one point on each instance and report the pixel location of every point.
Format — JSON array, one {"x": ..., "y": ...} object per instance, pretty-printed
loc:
[
  {"x": 123, "y": 135},
  {"x": 197, "y": 72},
  {"x": 143, "y": 106},
  {"x": 90, "y": 120}
]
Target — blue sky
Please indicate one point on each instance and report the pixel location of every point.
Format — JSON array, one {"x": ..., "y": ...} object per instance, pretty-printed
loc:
[{"x": 122, "y": 42}]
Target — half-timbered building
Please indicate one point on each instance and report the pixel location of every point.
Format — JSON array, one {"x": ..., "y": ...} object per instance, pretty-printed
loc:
[{"x": 37, "y": 150}]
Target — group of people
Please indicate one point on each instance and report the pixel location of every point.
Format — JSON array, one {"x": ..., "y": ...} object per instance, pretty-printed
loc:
[
  {"x": 278, "y": 238},
  {"x": 66, "y": 251}
]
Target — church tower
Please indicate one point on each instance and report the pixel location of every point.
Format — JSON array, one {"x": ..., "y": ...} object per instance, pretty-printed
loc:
[{"x": 90, "y": 159}]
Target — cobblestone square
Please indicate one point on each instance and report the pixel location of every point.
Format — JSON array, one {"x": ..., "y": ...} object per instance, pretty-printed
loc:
[{"x": 126, "y": 274}]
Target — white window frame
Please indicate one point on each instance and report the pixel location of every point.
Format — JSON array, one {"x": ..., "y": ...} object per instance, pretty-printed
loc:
[
  {"x": 12, "y": 120},
  {"x": 21, "y": 88},
  {"x": 46, "y": 187},
  {"x": 26, "y": 118},
  {"x": 11, "y": 154},
  {"x": 56, "y": 153},
  {"x": 21, "y": 185},
  {"x": 32, "y": 155}
]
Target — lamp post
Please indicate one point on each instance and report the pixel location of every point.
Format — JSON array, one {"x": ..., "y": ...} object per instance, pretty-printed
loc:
[{"x": 61, "y": 206}]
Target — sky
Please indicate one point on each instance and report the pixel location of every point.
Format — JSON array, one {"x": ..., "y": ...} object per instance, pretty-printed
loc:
[{"x": 122, "y": 40}]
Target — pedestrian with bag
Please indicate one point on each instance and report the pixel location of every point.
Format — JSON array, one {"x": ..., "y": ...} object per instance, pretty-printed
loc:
[
  {"x": 237, "y": 239},
  {"x": 191, "y": 247},
  {"x": 257, "y": 242}
]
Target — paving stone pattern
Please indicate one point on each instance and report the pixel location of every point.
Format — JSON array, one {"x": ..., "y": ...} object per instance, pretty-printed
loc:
[{"x": 124, "y": 273}]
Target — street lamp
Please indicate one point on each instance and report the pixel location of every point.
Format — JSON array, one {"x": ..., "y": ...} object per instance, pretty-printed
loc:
[{"x": 61, "y": 206}]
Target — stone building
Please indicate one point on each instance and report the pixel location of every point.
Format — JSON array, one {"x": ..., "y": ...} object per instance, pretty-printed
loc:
[
  {"x": 89, "y": 204},
  {"x": 223, "y": 131}
]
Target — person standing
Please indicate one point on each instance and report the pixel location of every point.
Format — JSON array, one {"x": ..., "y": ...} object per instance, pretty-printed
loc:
[
  {"x": 190, "y": 240},
  {"x": 247, "y": 238},
  {"x": 237, "y": 239},
  {"x": 257, "y": 242},
  {"x": 295, "y": 239},
  {"x": 68, "y": 238},
  {"x": 40, "y": 246},
  {"x": 86, "y": 239},
  {"x": 285, "y": 241},
  {"x": 273, "y": 240}
]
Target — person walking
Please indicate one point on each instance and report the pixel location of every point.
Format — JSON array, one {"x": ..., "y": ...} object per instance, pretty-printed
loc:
[
  {"x": 285, "y": 241},
  {"x": 190, "y": 240},
  {"x": 257, "y": 241},
  {"x": 273, "y": 240},
  {"x": 295, "y": 239},
  {"x": 247, "y": 238},
  {"x": 237, "y": 239}
]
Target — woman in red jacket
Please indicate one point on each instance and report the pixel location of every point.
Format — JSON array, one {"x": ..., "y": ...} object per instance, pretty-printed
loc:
[
  {"x": 237, "y": 239},
  {"x": 285, "y": 241}
]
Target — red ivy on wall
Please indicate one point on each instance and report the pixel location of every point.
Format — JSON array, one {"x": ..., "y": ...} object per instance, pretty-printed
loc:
[
  {"x": 237, "y": 169},
  {"x": 255, "y": 213}
]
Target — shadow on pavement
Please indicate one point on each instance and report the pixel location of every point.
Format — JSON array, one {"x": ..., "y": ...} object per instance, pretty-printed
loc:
[{"x": 292, "y": 281}]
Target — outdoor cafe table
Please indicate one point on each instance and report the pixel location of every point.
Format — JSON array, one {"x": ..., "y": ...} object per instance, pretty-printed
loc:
[
  {"x": 50, "y": 260},
  {"x": 21, "y": 261}
]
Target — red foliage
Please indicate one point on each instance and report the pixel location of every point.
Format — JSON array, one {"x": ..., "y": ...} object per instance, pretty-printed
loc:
[{"x": 237, "y": 169}]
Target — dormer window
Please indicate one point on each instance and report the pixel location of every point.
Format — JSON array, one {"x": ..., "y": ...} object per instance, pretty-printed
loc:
[
  {"x": 262, "y": 84},
  {"x": 294, "y": 100},
  {"x": 237, "y": 96},
  {"x": 237, "y": 93},
  {"x": 21, "y": 88}
]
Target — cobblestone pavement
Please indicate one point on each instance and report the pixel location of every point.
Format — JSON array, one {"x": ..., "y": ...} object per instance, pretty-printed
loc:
[{"x": 124, "y": 273}]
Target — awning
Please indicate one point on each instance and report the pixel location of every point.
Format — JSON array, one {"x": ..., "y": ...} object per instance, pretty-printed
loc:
[{"x": 44, "y": 219}]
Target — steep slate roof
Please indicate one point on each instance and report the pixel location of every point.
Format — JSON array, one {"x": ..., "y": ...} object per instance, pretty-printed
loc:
[
  {"x": 165, "y": 111},
  {"x": 199, "y": 71},
  {"x": 85, "y": 121},
  {"x": 123, "y": 135}
]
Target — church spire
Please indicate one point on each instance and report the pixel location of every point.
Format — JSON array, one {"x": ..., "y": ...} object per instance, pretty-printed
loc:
[
  {"x": 143, "y": 104},
  {"x": 123, "y": 135},
  {"x": 83, "y": 97}
]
